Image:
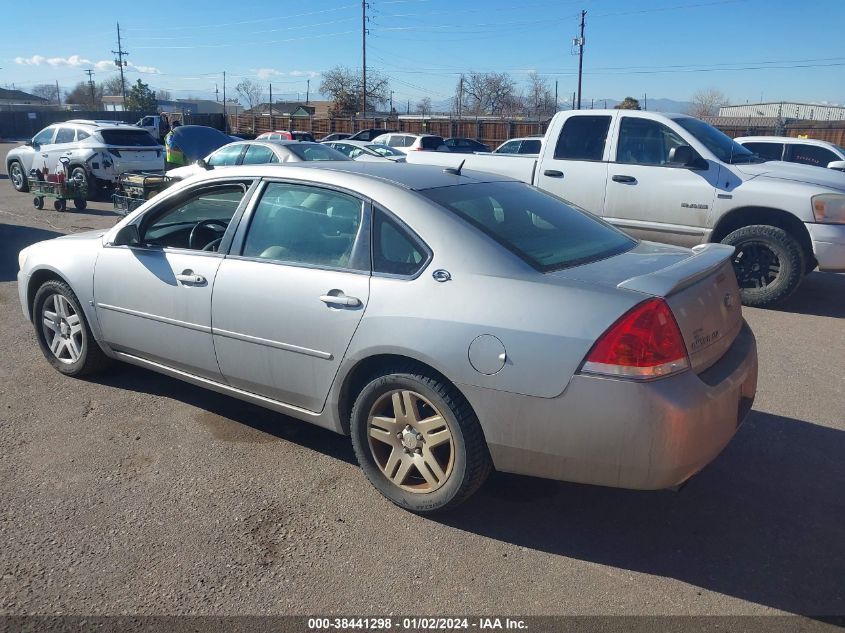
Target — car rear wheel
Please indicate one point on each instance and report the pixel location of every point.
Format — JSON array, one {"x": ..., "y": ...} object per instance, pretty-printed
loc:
[
  {"x": 18, "y": 177},
  {"x": 769, "y": 263},
  {"x": 63, "y": 333},
  {"x": 418, "y": 441}
]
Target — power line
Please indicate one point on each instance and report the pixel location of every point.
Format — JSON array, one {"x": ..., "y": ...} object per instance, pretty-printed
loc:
[{"x": 258, "y": 21}]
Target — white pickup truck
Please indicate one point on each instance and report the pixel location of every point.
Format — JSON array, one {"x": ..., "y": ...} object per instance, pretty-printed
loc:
[{"x": 675, "y": 179}]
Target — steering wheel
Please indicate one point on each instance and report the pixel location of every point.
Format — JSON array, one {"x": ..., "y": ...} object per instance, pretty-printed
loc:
[{"x": 208, "y": 224}]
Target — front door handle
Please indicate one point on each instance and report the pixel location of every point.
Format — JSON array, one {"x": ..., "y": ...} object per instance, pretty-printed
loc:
[
  {"x": 340, "y": 300},
  {"x": 189, "y": 277},
  {"x": 553, "y": 173},
  {"x": 628, "y": 179}
]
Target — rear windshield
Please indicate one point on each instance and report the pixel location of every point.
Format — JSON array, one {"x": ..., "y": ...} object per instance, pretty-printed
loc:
[
  {"x": 431, "y": 142},
  {"x": 128, "y": 138},
  {"x": 315, "y": 151},
  {"x": 543, "y": 230}
]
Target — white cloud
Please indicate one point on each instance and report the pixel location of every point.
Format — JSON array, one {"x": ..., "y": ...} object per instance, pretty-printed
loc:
[
  {"x": 267, "y": 73},
  {"x": 74, "y": 61}
]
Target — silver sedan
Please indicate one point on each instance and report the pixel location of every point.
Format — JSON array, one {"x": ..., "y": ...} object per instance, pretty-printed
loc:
[{"x": 449, "y": 322}]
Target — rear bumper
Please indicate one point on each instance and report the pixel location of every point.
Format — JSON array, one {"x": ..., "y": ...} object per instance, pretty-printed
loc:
[
  {"x": 622, "y": 433},
  {"x": 828, "y": 245}
]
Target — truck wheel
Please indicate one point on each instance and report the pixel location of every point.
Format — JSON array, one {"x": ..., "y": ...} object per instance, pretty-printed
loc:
[
  {"x": 18, "y": 177},
  {"x": 769, "y": 263}
]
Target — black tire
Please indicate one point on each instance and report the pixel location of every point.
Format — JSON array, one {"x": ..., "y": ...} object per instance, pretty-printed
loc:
[
  {"x": 18, "y": 177},
  {"x": 38, "y": 202},
  {"x": 81, "y": 204},
  {"x": 59, "y": 205},
  {"x": 91, "y": 358},
  {"x": 470, "y": 459},
  {"x": 90, "y": 182},
  {"x": 769, "y": 264}
]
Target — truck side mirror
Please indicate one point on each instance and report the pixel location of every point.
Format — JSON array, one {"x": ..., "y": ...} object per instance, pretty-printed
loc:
[
  {"x": 686, "y": 156},
  {"x": 839, "y": 165},
  {"x": 128, "y": 235}
]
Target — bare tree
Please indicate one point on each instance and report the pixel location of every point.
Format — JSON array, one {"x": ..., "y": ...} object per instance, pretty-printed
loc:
[
  {"x": 81, "y": 95},
  {"x": 113, "y": 86},
  {"x": 250, "y": 91},
  {"x": 707, "y": 102},
  {"x": 163, "y": 95},
  {"x": 628, "y": 103},
  {"x": 344, "y": 87},
  {"x": 539, "y": 99},
  {"x": 424, "y": 106},
  {"x": 46, "y": 91},
  {"x": 485, "y": 93}
]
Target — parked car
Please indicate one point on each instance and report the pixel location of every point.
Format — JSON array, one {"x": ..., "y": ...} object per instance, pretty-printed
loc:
[
  {"x": 676, "y": 179},
  {"x": 285, "y": 135},
  {"x": 527, "y": 145},
  {"x": 805, "y": 151},
  {"x": 563, "y": 349},
  {"x": 258, "y": 153},
  {"x": 370, "y": 134},
  {"x": 186, "y": 144},
  {"x": 335, "y": 136},
  {"x": 367, "y": 151},
  {"x": 465, "y": 145},
  {"x": 98, "y": 151},
  {"x": 407, "y": 142}
]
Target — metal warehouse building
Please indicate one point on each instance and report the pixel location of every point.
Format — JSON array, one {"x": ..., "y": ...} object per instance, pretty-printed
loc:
[{"x": 785, "y": 110}]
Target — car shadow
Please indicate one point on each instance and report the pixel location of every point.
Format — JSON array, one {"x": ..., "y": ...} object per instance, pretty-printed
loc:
[
  {"x": 820, "y": 294},
  {"x": 13, "y": 238},
  {"x": 132, "y": 378},
  {"x": 765, "y": 522}
]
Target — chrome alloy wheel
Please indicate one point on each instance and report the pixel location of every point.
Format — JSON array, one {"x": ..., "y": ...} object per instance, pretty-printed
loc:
[
  {"x": 16, "y": 176},
  {"x": 410, "y": 441},
  {"x": 62, "y": 329}
]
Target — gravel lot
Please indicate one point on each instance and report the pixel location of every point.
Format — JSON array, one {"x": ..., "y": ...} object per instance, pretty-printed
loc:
[{"x": 138, "y": 494}]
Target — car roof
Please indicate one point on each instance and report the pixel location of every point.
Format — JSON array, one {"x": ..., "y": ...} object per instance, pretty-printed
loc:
[
  {"x": 412, "y": 177},
  {"x": 783, "y": 139},
  {"x": 98, "y": 124}
]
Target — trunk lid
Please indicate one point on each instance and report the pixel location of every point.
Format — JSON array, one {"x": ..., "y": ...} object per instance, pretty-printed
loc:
[{"x": 699, "y": 286}]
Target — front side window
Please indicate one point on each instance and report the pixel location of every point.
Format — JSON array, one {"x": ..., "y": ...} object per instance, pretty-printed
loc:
[
  {"x": 645, "y": 142},
  {"x": 226, "y": 156},
  {"x": 511, "y": 147},
  {"x": 307, "y": 225},
  {"x": 259, "y": 155},
  {"x": 65, "y": 135},
  {"x": 583, "y": 138},
  {"x": 343, "y": 148},
  {"x": 543, "y": 230},
  {"x": 315, "y": 151},
  {"x": 530, "y": 146},
  {"x": 431, "y": 142},
  {"x": 44, "y": 137},
  {"x": 810, "y": 155},
  {"x": 396, "y": 140},
  {"x": 723, "y": 146},
  {"x": 395, "y": 251},
  {"x": 768, "y": 151},
  {"x": 196, "y": 222}
]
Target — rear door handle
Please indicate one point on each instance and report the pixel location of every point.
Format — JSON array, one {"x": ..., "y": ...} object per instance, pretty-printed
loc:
[
  {"x": 189, "y": 277},
  {"x": 553, "y": 173},
  {"x": 340, "y": 300},
  {"x": 629, "y": 179}
]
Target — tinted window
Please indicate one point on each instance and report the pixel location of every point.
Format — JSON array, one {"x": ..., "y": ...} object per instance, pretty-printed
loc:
[
  {"x": 645, "y": 142},
  {"x": 226, "y": 156},
  {"x": 65, "y": 135},
  {"x": 395, "y": 251},
  {"x": 128, "y": 138},
  {"x": 44, "y": 137},
  {"x": 303, "y": 136},
  {"x": 81, "y": 135},
  {"x": 723, "y": 146},
  {"x": 173, "y": 226},
  {"x": 541, "y": 229},
  {"x": 511, "y": 147},
  {"x": 259, "y": 155},
  {"x": 531, "y": 146},
  {"x": 769, "y": 151},
  {"x": 810, "y": 155},
  {"x": 306, "y": 225},
  {"x": 395, "y": 140},
  {"x": 583, "y": 138},
  {"x": 431, "y": 142},
  {"x": 343, "y": 148},
  {"x": 315, "y": 151}
]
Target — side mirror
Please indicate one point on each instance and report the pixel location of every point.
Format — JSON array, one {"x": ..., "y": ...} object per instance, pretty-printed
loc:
[
  {"x": 29, "y": 143},
  {"x": 686, "y": 156},
  {"x": 128, "y": 235},
  {"x": 839, "y": 165},
  {"x": 204, "y": 165}
]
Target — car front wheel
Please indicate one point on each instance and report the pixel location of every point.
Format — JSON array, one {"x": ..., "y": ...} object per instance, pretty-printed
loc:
[
  {"x": 18, "y": 177},
  {"x": 63, "y": 333},
  {"x": 418, "y": 441}
]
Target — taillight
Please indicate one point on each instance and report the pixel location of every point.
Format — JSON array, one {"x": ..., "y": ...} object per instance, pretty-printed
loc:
[{"x": 644, "y": 343}]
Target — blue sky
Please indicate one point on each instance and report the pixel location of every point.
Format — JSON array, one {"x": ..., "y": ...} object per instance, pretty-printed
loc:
[{"x": 666, "y": 48}]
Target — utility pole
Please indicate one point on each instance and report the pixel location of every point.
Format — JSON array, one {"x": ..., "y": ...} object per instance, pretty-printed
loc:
[
  {"x": 308, "y": 92},
  {"x": 579, "y": 41},
  {"x": 58, "y": 93},
  {"x": 271, "y": 101},
  {"x": 645, "y": 101},
  {"x": 409, "y": 106},
  {"x": 225, "y": 120},
  {"x": 120, "y": 63},
  {"x": 216, "y": 94},
  {"x": 90, "y": 74},
  {"x": 461, "y": 97},
  {"x": 391, "y": 102},
  {"x": 364, "y": 51},
  {"x": 556, "y": 101}
]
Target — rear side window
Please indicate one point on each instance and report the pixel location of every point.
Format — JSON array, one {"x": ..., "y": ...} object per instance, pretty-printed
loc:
[
  {"x": 769, "y": 151},
  {"x": 431, "y": 142},
  {"x": 395, "y": 250},
  {"x": 65, "y": 135},
  {"x": 810, "y": 155},
  {"x": 128, "y": 138},
  {"x": 395, "y": 140},
  {"x": 259, "y": 155},
  {"x": 308, "y": 151},
  {"x": 226, "y": 156},
  {"x": 81, "y": 135},
  {"x": 511, "y": 147},
  {"x": 583, "y": 138},
  {"x": 543, "y": 230}
]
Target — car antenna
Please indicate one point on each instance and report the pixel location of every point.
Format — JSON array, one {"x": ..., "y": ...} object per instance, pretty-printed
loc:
[{"x": 455, "y": 170}]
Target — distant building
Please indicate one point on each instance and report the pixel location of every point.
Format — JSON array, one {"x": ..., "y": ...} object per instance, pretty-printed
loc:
[
  {"x": 785, "y": 110},
  {"x": 113, "y": 103},
  {"x": 15, "y": 97},
  {"x": 282, "y": 108}
]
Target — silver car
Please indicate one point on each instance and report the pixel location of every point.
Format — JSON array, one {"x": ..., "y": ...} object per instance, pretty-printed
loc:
[{"x": 449, "y": 322}]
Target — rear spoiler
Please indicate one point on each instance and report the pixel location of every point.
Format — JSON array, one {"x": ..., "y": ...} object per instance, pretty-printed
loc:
[{"x": 705, "y": 259}]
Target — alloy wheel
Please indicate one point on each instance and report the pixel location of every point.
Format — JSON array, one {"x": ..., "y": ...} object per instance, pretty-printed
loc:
[
  {"x": 410, "y": 441},
  {"x": 16, "y": 175},
  {"x": 62, "y": 329},
  {"x": 756, "y": 265}
]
